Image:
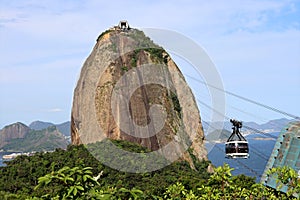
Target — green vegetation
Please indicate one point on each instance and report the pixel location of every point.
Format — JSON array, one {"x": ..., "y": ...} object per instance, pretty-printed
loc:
[
  {"x": 286, "y": 176},
  {"x": 156, "y": 53},
  {"x": 176, "y": 104},
  {"x": 20, "y": 176},
  {"x": 114, "y": 47},
  {"x": 76, "y": 182},
  {"x": 146, "y": 44},
  {"x": 134, "y": 57},
  {"x": 124, "y": 68},
  {"x": 142, "y": 39},
  {"x": 75, "y": 174},
  {"x": 222, "y": 185}
]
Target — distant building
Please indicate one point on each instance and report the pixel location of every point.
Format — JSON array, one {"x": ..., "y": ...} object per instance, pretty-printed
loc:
[
  {"x": 124, "y": 25},
  {"x": 286, "y": 152}
]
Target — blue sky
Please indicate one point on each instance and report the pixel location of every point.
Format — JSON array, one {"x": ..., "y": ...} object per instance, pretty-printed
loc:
[{"x": 255, "y": 46}]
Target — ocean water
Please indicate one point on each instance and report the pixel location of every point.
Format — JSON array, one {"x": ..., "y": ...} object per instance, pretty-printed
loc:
[{"x": 259, "y": 150}]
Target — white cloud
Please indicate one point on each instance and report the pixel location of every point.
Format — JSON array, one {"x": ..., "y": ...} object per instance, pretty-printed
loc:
[{"x": 53, "y": 110}]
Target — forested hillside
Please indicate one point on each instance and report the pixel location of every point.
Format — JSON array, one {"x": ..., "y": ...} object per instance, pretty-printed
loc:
[{"x": 75, "y": 174}]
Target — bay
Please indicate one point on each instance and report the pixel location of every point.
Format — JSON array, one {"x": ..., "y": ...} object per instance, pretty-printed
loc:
[{"x": 260, "y": 149}]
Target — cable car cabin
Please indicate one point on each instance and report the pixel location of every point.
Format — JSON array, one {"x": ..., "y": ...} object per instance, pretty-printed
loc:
[
  {"x": 237, "y": 149},
  {"x": 236, "y": 145}
]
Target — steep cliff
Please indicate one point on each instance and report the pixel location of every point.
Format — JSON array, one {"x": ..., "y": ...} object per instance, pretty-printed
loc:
[
  {"x": 130, "y": 89},
  {"x": 13, "y": 131}
]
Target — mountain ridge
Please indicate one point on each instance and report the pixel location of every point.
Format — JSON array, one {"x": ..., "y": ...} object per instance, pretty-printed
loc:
[
  {"x": 63, "y": 127},
  {"x": 273, "y": 125},
  {"x": 276, "y": 124},
  {"x": 18, "y": 137}
]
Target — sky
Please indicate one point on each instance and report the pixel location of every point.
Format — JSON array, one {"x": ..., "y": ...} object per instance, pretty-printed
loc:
[{"x": 255, "y": 46}]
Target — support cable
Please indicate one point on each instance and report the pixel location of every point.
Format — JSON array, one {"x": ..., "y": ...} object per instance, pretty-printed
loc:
[{"x": 246, "y": 99}]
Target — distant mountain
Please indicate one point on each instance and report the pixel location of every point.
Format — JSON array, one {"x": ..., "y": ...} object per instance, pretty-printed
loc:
[
  {"x": 18, "y": 137},
  {"x": 14, "y": 131},
  {"x": 39, "y": 125},
  {"x": 275, "y": 125},
  {"x": 253, "y": 125},
  {"x": 64, "y": 128}
]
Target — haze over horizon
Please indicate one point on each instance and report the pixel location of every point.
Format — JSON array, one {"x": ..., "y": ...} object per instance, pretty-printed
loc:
[{"x": 255, "y": 46}]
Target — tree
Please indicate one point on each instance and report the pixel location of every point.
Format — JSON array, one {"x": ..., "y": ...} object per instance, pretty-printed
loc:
[
  {"x": 78, "y": 183},
  {"x": 177, "y": 192},
  {"x": 222, "y": 185},
  {"x": 286, "y": 176},
  {"x": 75, "y": 182}
]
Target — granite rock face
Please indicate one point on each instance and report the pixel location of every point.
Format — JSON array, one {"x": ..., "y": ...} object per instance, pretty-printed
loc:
[{"x": 130, "y": 89}]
